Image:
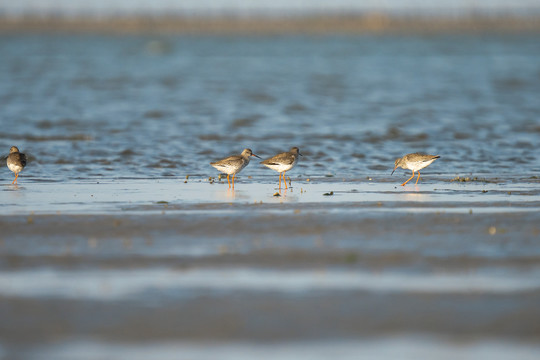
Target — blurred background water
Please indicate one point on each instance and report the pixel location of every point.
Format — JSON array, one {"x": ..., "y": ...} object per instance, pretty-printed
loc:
[{"x": 87, "y": 106}]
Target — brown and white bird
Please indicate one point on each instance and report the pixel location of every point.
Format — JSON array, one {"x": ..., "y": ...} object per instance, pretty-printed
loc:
[
  {"x": 16, "y": 162},
  {"x": 232, "y": 165},
  {"x": 414, "y": 162},
  {"x": 283, "y": 162}
]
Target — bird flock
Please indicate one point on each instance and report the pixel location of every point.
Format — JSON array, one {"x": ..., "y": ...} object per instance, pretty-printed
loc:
[
  {"x": 285, "y": 161},
  {"x": 232, "y": 165}
]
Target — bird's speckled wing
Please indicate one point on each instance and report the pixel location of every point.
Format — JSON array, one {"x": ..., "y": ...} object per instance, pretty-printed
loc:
[
  {"x": 234, "y": 160},
  {"x": 420, "y": 157},
  {"x": 285, "y": 158}
]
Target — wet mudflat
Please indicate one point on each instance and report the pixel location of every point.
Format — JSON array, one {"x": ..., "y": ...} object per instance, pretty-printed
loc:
[{"x": 129, "y": 268}]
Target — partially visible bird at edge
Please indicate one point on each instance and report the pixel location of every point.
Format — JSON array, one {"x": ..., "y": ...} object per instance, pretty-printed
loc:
[{"x": 16, "y": 161}]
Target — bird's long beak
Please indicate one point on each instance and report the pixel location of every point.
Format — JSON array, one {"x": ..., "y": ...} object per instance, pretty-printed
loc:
[
  {"x": 257, "y": 156},
  {"x": 393, "y": 171},
  {"x": 300, "y": 154}
]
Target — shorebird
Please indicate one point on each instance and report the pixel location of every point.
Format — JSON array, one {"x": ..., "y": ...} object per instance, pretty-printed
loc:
[
  {"x": 414, "y": 162},
  {"x": 16, "y": 161},
  {"x": 282, "y": 163},
  {"x": 232, "y": 165}
]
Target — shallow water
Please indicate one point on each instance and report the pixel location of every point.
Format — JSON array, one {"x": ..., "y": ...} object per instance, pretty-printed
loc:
[
  {"x": 200, "y": 195},
  {"x": 153, "y": 107},
  {"x": 107, "y": 250}
]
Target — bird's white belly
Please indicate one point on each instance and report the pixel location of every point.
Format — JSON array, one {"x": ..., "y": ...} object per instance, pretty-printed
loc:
[
  {"x": 418, "y": 165},
  {"x": 15, "y": 168},
  {"x": 229, "y": 170},
  {"x": 279, "y": 167}
]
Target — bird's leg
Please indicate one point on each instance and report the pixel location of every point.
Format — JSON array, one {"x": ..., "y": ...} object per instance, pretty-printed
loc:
[
  {"x": 234, "y": 175},
  {"x": 284, "y": 180},
  {"x": 15, "y": 180},
  {"x": 280, "y": 180},
  {"x": 418, "y": 178},
  {"x": 228, "y": 181},
  {"x": 408, "y": 179}
]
